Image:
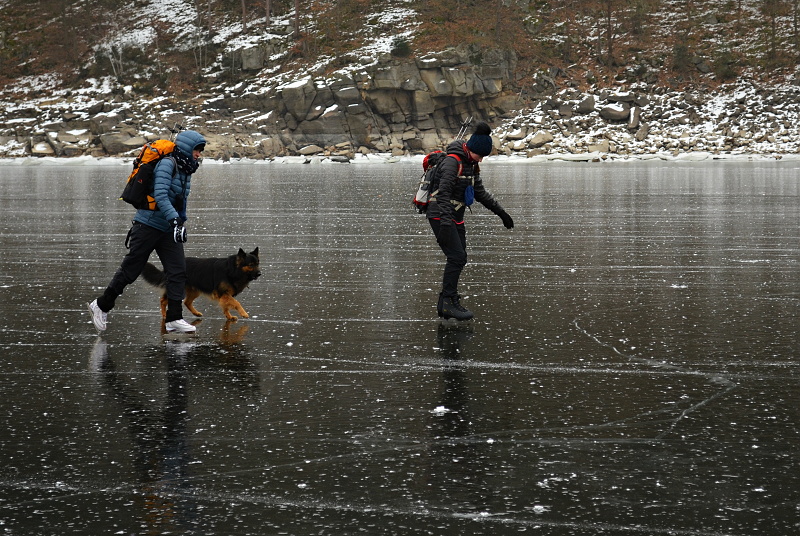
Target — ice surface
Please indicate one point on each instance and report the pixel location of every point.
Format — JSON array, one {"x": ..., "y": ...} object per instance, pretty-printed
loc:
[{"x": 631, "y": 369}]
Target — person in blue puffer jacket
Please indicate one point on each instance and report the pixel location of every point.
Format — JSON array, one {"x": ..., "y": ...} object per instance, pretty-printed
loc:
[{"x": 162, "y": 231}]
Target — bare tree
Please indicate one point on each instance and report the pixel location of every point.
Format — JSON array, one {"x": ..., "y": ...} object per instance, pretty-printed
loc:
[
  {"x": 200, "y": 43},
  {"x": 498, "y": 21},
  {"x": 564, "y": 12},
  {"x": 267, "y": 9},
  {"x": 297, "y": 19},
  {"x": 115, "y": 57},
  {"x": 772, "y": 10},
  {"x": 244, "y": 16},
  {"x": 608, "y": 9},
  {"x": 796, "y": 26}
]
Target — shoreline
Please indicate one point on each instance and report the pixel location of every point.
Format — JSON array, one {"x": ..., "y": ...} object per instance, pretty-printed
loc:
[{"x": 387, "y": 158}]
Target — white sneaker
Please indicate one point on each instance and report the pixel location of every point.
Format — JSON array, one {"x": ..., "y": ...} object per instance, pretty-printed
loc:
[
  {"x": 99, "y": 317},
  {"x": 180, "y": 325}
]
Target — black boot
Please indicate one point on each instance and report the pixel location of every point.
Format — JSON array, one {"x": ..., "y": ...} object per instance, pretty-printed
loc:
[
  {"x": 452, "y": 309},
  {"x": 440, "y": 305}
]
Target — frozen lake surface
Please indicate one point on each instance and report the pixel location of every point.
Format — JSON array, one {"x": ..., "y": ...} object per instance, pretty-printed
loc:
[{"x": 632, "y": 368}]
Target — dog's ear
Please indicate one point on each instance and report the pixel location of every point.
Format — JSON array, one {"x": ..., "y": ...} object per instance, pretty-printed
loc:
[
  {"x": 242, "y": 253},
  {"x": 254, "y": 252}
]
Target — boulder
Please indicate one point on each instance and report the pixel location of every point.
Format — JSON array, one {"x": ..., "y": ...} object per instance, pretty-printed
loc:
[
  {"x": 272, "y": 147},
  {"x": 542, "y": 137},
  {"x": 626, "y": 96},
  {"x": 446, "y": 58},
  {"x": 298, "y": 97},
  {"x": 42, "y": 148},
  {"x": 505, "y": 104},
  {"x": 134, "y": 142},
  {"x": 519, "y": 145},
  {"x": 310, "y": 149},
  {"x": 430, "y": 141},
  {"x": 323, "y": 102},
  {"x": 615, "y": 112},
  {"x": 115, "y": 143},
  {"x": 253, "y": 58},
  {"x": 103, "y": 123},
  {"x": 66, "y": 137},
  {"x": 601, "y": 146},
  {"x": 587, "y": 105},
  {"x": 217, "y": 146},
  {"x": 359, "y": 108},
  {"x": 70, "y": 150},
  {"x": 518, "y": 134},
  {"x": 497, "y": 64},
  {"x": 633, "y": 120}
]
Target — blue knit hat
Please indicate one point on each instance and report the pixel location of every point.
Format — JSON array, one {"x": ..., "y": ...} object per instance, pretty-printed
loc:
[{"x": 481, "y": 141}]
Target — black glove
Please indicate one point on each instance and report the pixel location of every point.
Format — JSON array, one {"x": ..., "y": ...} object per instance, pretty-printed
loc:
[
  {"x": 507, "y": 221},
  {"x": 445, "y": 233},
  {"x": 178, "y": 231}
]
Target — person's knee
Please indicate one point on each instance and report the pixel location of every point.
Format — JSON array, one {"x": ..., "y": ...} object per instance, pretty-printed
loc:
[{"x": 458, "y": 259}]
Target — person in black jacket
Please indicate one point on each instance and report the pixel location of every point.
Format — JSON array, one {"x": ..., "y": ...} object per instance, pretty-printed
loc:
[{"x": 459, "y": 183}]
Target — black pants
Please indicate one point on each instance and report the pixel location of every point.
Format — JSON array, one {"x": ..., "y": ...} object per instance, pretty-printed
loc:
[
  {"x": 143, "y": 241},
  {"x": 456, "y": 253}
]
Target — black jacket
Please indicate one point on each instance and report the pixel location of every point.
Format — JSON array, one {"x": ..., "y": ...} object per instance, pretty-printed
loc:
[{"x": 452, "y": 186}]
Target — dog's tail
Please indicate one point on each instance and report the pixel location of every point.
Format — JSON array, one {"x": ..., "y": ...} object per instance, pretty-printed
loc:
[{"x": 154, "y": 276}]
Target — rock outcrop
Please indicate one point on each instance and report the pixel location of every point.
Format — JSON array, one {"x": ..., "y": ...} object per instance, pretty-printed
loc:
[
  {"x": 397, "y": 106},
  {"x": 401, "y": 107}
]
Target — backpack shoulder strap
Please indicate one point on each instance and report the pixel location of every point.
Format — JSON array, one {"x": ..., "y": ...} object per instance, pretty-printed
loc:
[{"x": 458, "y": 159}]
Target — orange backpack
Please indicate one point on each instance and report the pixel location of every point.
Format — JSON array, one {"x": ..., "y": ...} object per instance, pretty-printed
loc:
[{"x": 138, "y": 190}]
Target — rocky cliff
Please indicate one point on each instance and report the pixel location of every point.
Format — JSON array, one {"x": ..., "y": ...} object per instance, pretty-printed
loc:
[
  {"x": 392, "y": 106},
  {"x": 412, "y": 106}
]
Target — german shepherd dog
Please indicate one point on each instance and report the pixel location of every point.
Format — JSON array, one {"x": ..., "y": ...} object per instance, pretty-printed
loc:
[{"x": 219, "y": 279}]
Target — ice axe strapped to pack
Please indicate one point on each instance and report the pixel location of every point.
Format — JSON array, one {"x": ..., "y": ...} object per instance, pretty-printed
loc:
[
  {"x": 428, "y": 185},
  {"x": 429, "y": 182}
]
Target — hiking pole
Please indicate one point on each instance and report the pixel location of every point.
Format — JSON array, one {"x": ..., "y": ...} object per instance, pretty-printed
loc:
[
  {"x": 176, "y": 129},
  {"x": 464, "y": 127}
]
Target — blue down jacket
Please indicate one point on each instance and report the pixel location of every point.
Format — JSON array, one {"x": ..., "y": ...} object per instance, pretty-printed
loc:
[{"x": 171, "y": 186}]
